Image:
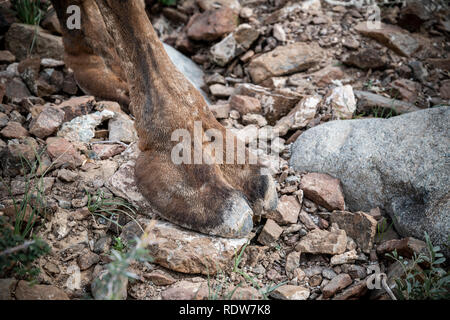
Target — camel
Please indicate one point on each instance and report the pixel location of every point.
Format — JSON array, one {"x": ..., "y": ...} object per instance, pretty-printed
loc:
[{"x": 117, "y": 41}]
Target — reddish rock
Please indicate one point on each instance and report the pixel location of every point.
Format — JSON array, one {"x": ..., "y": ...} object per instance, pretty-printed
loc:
[
  {"x": 323, "y": 190},
  {"x": 359, "y": 226},
  {"x": 186, "y": 290},
  {"x": 366, "y": 59},
  {"x": 160, "y": 278},
  {"x": 405, "y": 247},
  {"x": 245, "y": 104},
  {"x": 292, "y": 263},
  {"x": 220, "y": 111},
  {"x": 353, "y": 292},
  {"x": 7, "y": 287},
  {"x": 20, "y": 36},
  {"x": 287, "y": 211},
  {"x": 221, "y": 91},
  {"x": 63, "y": 152},
  {"x": 307, "y": 221},
  {"x": 245, "y": 293},
  {"x": 405, "y": 89},
  {"x": 336, "y": 284},
  {"x": 185, "y": 251},
  {"x": 2, "y": 92},
  {"x": 274, "y": 103},
  {"x": 87, "y": 259},
  {"x": 440, "y": 63},
  {"x": 15, "y": 89},
  {"x": 38, "y": 84},
  {"x": 25, "y": 291},
  {"x": 76, "y": 106},
  {"x": 375, "y": 213},
  {"x": 321, "y": 241},
  {"x": 212, "y": 24},
  {"x": 3, "y": 120},
  {"x": 69, "y": 84},
  {"x": 270, "y": 233},
  {"x": 11, "y": 154},
  {"x": 285, "y": 60},
  {"x": 14, "y": 130},
  {"x": 299, "y": 116},
  {"x": 327, "y": 75},
  {"x": 6, "y": 56},
  {"x": 445, "y": 89},
  {"x": 395, "y": 38},
  {"x": 47, "y": 122}
]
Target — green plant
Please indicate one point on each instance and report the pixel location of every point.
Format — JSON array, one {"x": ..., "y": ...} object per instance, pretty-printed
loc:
[
  {"x": 430, "y": 283},
  {"x": 17, "y": 253},
  {"x": 168, "y": 2},
  {"x": 33, "y": 198},
  {"x": 220, "y": 288},
  {"x": 29, "y": 11},
  {"x": 369, "y": 84},
  {"x": 118, "y": 245},
  {"x": 383, "y": 227},
  {"x": 110, "y": 209},
  {"x": 111, "y": 283},
  {"x": 32, "y": 204}
]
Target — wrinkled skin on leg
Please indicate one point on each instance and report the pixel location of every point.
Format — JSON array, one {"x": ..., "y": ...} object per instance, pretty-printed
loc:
[{"x": 216, "y": 198}]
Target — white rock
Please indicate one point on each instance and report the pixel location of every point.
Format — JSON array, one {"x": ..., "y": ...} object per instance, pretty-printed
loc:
[
  {"x": 279, "y": 33},
  {"x": 343, "y": 102},
  {"x": 82, "y": 128},
  {"x": 346, "y": 257},
  {"x": 289, "y": 292}
]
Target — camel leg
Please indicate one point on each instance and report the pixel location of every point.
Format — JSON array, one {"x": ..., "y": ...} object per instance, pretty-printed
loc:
[
  {"x": 90, "y": 53},
  {"x": 214, "y": 198}
]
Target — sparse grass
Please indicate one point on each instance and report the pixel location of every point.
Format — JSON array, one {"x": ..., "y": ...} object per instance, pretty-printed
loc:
[
  {"x": 383, "y": 227},
  {"x": 18, "y": 247},
  {"x": 17, "y": 254},
  {"x": 29, "y": 11},
  {"x": 430, "y": 283},
  {"x": 110, "y": 209},
  {"x": 377, "y": 112},
  {"x": 168, "y": 2},
  {"x": 33, "y": 197},
  {"x": 215, "y": 290}
]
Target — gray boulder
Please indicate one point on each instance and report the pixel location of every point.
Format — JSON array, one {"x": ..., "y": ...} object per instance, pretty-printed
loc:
[
  {"x": 399, "y": 164},
  {"x": 187, "y": 67}
]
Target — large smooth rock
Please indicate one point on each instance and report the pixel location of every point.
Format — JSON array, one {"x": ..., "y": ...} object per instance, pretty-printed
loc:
[
  {"x": 185, "y": 251},
  {"x": 399, "y": 165},
  {"x": 187, "y": 67}
]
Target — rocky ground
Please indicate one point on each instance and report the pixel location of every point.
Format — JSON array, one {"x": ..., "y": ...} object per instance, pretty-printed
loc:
[{"x": 273, "y": 68}]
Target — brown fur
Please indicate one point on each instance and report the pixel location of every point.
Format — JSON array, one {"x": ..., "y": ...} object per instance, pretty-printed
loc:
[
  {"x": 90, "y": 53},
  {"x": 162, "y": 101}
]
